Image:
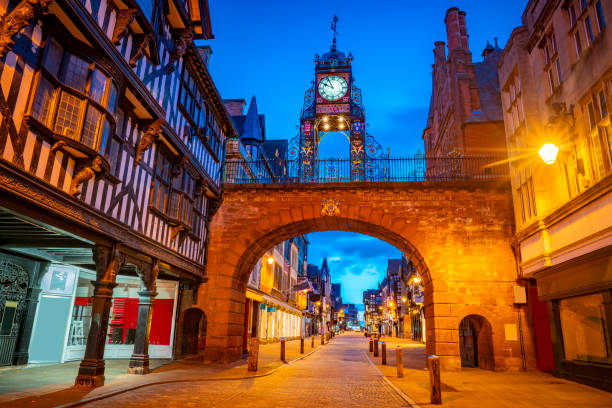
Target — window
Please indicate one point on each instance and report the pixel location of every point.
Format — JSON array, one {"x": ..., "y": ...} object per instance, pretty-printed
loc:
[
  {"x": 601, "y": 22},
  {"x": 526, "y": 195},
  {"x": 603, "y": 108},
  {"x": 552, "y": 67},
  {"x": 588, "y": 30},
  {"x": 582, "y": 22},
  {"x": 161, "y": 183},
  {"x": 82, "y": 105},
  {"x": 592, "y": 120},
  {"x": 584, "y": 328}
]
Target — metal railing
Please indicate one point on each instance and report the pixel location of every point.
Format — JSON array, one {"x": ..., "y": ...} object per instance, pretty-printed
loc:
[{"x": 388, "y": 169}]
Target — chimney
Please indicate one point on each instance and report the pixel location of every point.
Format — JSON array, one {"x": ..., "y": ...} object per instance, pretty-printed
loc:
[
  {"x": 235, "y": 107},
  {"x": 456, "y": 31},
  {"x": 439, "y": 52},
  {"x": 205, "y": 52}
]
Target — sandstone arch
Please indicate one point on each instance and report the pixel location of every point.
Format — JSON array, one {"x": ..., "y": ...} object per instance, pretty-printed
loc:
[{"x": 459, "y": 237}]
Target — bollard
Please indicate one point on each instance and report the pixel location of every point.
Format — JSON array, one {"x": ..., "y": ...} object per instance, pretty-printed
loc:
[
  {"x": 384, "y": 353},
  {"x": 302, "y": 345},
  {"x": 376, "y": 347},
  {"x": 399, "y": 362},
  {"x": 322, "y": 339},
  {"x": 371, "y": 345},
  {"x": 312, "y": 341},
  {"x": 253, "y": 354},
  {"x": 282, "y": 350},
  {"x": 433, "y": 363}
]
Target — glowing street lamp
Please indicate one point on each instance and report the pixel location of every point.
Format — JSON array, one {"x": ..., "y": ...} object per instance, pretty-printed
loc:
[
  {"x": 548, "y": 153},
  {"x": 270, "y": 260},
  {"x": 404, "y": 300}
]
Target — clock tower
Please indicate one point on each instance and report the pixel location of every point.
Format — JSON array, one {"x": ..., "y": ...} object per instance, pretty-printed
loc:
[{"x": 333, "y": 104}]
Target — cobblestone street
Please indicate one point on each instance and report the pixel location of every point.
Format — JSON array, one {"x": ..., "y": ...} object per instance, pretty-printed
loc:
[{"x": 338, "y": 375}]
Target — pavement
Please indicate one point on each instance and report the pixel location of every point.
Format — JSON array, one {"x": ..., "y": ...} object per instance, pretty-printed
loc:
[
  {"x": 340, "y": 374},
  {"x": 53, "y": 385},
  {"x": 474, "y": 387}
]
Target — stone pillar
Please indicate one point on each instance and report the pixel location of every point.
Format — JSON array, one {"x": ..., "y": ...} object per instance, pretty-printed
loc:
[
  {"x": 91, "y": 370},
  {"x": 139, "y": 362}
]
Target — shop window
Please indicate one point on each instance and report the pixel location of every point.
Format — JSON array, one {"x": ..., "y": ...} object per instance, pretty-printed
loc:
[
  {"x": 74, "y": 98},
  {"x": 123, "y": 318},
  {"x": 583, "y": 327}
]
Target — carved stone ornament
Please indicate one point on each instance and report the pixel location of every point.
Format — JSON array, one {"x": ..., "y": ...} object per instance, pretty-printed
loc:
[
  {"x": 140, "y": 50},
  {"x": 330, "y": 208},
  {"x": 125, "y": 17},
  {"x": 180, "y": 47},
  {"x": 21, "y": 16},
  {"x": 86, "y": 173},
  {"x": 148, "y": 137}
]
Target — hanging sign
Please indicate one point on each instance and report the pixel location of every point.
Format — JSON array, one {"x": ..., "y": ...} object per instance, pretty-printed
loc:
[{"x": 340, "y": 108}]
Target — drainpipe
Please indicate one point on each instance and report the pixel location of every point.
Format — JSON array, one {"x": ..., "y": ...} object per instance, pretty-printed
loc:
[{"x": 517, "y": 257}]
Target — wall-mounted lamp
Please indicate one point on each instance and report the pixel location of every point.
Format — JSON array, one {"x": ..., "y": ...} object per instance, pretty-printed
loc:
[{"x": 548, "y": 153}]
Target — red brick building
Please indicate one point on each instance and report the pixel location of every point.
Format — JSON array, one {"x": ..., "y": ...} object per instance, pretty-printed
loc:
[{"x": 465, "y": 114}]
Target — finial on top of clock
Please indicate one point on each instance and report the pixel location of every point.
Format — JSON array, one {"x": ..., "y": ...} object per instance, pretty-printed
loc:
[{"x": 333, "y": 28}]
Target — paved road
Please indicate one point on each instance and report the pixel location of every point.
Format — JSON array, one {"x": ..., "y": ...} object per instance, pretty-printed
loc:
[{"x": 337, "y": 375}]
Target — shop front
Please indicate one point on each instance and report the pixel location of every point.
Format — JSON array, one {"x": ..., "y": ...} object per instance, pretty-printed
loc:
[{"x": 64, "y": 317}]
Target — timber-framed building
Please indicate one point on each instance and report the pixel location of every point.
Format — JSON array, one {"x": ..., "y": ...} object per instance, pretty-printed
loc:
[{"x": 112, "y": 136}]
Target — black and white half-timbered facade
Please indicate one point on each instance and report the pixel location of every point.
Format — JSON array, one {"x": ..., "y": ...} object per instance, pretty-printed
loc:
[{"x": 112, "y": 136}]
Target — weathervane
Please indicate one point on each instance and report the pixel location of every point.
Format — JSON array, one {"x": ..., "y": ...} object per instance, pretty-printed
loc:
[{"x": 333, "y": 27}]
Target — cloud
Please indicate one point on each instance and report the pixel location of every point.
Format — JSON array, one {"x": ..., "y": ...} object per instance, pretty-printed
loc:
[{"x": 356, "y": 261}]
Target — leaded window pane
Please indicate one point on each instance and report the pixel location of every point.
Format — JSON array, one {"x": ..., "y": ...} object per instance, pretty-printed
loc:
[
  {"x": 90, "y": 126},
  {"x": 68, "y": 113},
  {"x": 53, "y": 58},
  {"x": 98, "y": 86},
  {"x": 76, "y": 73},
  {"x": 43, "y": 101}
]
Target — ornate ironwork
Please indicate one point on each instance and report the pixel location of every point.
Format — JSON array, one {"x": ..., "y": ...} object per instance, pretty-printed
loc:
[{"x": 385, "y": 169}]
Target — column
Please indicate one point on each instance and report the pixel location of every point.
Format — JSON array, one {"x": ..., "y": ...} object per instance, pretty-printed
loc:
[
  {"x": 21, "y": 354},
  {"x": 139, "y": 362},
  {"x": 91, "y": 370}
]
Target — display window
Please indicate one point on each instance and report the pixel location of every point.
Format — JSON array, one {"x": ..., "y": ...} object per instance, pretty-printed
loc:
[
  {"x": 584, "y": 328},
  {"x": 123, "y": 319}
]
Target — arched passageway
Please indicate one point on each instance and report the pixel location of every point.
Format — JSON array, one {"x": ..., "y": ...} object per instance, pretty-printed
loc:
[
  {"x": 194, "y": 331},
  {"x": 458, "y": 237},
  {"x": 476, "y": 342}
]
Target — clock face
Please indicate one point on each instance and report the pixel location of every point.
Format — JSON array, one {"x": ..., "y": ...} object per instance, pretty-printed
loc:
[{"x": 332, "y": 87}]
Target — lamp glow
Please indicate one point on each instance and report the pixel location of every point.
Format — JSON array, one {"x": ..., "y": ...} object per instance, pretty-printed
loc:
[
  {"x": 416, "y": 279},
  {"x": 403, "y": 300},
  {"x": 548, "y": 153},
  {"x": 270, "y": 260}
]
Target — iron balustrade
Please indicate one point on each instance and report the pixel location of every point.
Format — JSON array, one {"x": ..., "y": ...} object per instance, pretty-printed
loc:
[{"x": 388, "y": 169}]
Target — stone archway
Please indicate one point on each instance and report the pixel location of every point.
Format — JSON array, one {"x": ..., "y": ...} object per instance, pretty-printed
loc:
[
  {"x": 193, "y": 331},
  {"x": 476, "y": 342},
  {"x": 458, "y": 236}
]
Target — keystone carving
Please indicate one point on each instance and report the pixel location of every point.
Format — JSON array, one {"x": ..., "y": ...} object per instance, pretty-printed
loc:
[
  {"x": 15, "y": 21},
  {"x": 147, "y": 139},
  {"x": 330, "y": 208},
  {"x": 87, "y": 173},
  {"x": 180, "y": 47},
  {"x": 124, "y": 19},
  {"x": 140, "y": 51}
]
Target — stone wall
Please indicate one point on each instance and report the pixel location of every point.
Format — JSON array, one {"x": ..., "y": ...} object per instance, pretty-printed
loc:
[{"x": 458, "y": 236}]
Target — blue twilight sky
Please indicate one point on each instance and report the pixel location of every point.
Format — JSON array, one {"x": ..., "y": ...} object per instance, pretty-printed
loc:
[{"x": 266, "y": 48}]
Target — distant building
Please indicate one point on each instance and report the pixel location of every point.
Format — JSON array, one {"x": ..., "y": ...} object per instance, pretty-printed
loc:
[
  {"x": 372, "y": 303},
  {"x": 465, "y": 116}
]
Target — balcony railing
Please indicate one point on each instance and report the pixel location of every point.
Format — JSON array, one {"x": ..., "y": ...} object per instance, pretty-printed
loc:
[{"x": 389, "y": 169}]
